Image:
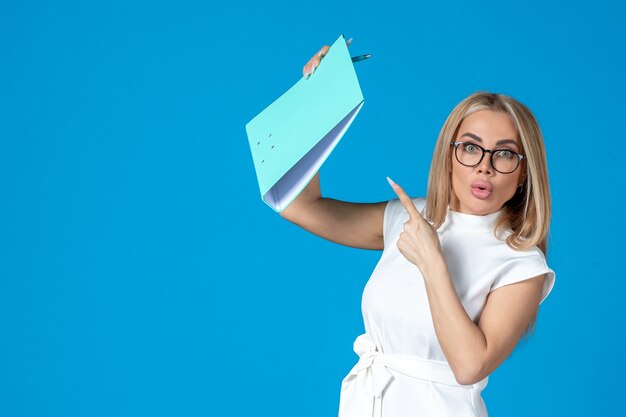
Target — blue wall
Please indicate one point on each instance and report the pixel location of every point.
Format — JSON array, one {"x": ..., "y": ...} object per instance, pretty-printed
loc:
[{"x": 141, "y": 274}]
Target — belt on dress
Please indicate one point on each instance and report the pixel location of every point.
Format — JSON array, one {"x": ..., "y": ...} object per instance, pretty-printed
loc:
[{"x": 362, "y": 388}]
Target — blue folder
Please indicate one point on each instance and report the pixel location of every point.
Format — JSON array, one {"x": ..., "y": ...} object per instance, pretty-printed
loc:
[{"x": 291, "y": 139}]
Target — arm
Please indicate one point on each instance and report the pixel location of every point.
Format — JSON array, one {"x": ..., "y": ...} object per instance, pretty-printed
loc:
[
  {"x": 473, "y": 350},
  {"x": 359, "y": 225}
]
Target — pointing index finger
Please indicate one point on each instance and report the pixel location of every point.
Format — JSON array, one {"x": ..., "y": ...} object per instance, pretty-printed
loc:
[{"x": 405, "y": 200}]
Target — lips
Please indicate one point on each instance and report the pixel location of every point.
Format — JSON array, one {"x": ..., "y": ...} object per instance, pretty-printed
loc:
[{"x": 482, "y": 189}]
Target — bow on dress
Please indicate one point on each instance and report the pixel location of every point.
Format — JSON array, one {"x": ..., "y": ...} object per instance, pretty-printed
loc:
[{"x": 362, "y": 388}]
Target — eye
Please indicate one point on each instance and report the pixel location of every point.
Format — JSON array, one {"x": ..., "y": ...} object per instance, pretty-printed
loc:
[
  {"x": 506, "y": 154},
  {"x": 470, "y": 148}
]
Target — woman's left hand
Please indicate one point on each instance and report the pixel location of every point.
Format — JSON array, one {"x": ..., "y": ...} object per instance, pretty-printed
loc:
[{"x": 419, "y": 242}]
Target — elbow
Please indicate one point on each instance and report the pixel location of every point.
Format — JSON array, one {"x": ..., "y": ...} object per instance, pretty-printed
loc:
[
  {"x": 290, "y": 212},
  {"x": 469, "y": 375},
  {"x": 466, "y": 379},
  {"x": 286, "y": 214},
  {"x": 299, "y": 210},
  {"x": 289, "y": 216}
]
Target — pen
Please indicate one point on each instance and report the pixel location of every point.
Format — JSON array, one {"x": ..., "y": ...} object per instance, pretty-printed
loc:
[{"x": 360, "y": 57}]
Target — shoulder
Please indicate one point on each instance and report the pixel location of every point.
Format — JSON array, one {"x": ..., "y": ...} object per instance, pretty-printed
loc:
[
  {"x": 396, "y": 215},
  {"x": 395, "y": 207},
  {"x": 395, "y": 211},
  {"x": 518, "y": 265}
]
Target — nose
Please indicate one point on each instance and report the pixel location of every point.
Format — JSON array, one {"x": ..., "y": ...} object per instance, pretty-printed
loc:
[{"x": 484, "y": 167}]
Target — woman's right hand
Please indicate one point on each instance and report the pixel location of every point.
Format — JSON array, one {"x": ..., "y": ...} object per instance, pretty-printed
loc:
[{"x": 314, "y": 62}]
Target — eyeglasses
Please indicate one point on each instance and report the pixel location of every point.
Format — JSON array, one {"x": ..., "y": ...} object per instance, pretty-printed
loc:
[{"x": 470, "y": 154}]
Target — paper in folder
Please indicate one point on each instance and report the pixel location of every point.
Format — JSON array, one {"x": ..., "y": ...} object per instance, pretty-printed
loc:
[{"x": 291, "y": 139}]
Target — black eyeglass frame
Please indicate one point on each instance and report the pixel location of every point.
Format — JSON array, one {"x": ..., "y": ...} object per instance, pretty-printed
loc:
[{"x": 491, "y": 152}]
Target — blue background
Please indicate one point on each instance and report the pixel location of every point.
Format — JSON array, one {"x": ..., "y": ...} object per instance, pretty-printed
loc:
[{"x": 140, "y": 272}]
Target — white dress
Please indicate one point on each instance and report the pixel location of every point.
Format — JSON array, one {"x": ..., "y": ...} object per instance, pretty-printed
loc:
[{"x": 402, "y": 371}]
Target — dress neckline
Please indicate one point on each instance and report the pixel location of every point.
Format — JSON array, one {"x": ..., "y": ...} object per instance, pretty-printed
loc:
[{"x": 472, "y": 222}]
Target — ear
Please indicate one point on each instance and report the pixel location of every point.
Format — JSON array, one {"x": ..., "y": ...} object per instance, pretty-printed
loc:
[{"x": 522, "y": 180}]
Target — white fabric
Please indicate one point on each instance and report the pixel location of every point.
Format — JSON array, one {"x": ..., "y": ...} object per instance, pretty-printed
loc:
[{"x": 402, "y": 371}]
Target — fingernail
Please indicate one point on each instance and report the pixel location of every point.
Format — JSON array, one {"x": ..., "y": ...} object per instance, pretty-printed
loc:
[
  {"x": 393, "y": 184},
  {"x": 349, "y": 41}
]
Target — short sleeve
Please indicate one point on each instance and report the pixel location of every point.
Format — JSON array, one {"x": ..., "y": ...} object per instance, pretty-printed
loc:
[
  {"x": 529, "y": 265},
  {"x": 395, "y": 216}
]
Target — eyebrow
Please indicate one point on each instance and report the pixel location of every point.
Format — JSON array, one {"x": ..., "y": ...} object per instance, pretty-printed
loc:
[{"x": 500, "y": 142}]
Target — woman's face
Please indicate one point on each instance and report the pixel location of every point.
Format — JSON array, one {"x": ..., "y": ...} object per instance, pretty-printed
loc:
[{"x": 481, "y": 189}]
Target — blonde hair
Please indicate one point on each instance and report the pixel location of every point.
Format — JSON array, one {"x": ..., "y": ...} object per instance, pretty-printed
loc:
[{"x": 527, "y": 214}]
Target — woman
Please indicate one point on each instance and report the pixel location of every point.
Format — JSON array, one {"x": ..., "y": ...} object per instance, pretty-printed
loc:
[{"x": 462, "y": 272}]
